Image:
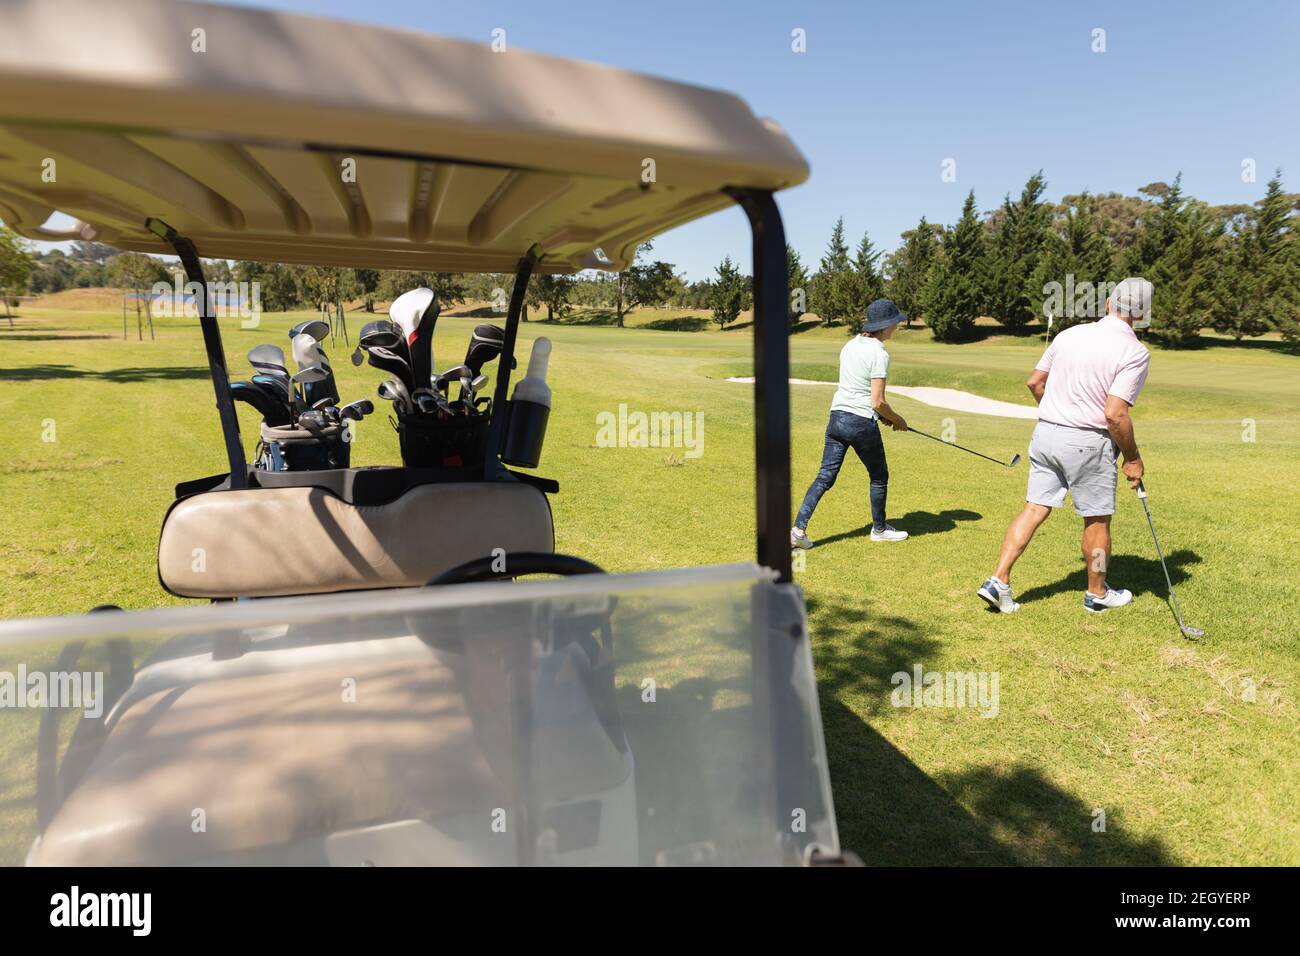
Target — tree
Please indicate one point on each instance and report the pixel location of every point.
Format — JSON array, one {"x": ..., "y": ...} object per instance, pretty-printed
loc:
[
  {"x": 1177, "y": 249},
  {"x": 642, "y": 283},
  {"x": 1073, "y": 269},
  {"x": 449, "y": 287},
  {"x": 96, "y": 252},
  {"x": 273, "y": 286},
  {"x": 136, "y": 272},
  {"x": 730, "y": 293},
  {"x": 15, "y": 266},
  {"x": 1015, "y": 248},
  {"x": 910, "y": 269},
  {"x": 368, "y": 283},
  {"x": 953, "y": 295},
  {"x": 833, "y": 291},
  {"x": 796, "y": 279},
  {"x": 1257, "y": 286},
  {"x": 867, "y": 282},
  {"x": 552, "y": 291}
]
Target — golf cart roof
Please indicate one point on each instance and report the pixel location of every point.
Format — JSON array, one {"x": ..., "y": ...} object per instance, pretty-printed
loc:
[{"x": 465, "y": 158}]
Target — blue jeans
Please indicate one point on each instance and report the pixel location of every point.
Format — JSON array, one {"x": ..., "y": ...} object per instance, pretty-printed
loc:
[{"x": 844, "y": 431}]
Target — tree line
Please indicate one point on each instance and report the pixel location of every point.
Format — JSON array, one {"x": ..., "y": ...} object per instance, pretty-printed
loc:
[{"x": 1233, "y": 268}]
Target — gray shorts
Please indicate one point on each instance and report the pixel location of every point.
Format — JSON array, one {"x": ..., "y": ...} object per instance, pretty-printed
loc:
[{"x": 1078, "y": 460}]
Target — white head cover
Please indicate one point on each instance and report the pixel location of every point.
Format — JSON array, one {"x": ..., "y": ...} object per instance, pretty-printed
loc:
[
  {"x": 408, "y": 308},
  {"x": 1132, "y": 297}
]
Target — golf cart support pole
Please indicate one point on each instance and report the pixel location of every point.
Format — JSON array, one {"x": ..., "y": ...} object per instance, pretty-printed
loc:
[
  {"x": 189, "y": 257},
  {"x": 496, "y": 436},
  {"x": 771, "y": 379}
]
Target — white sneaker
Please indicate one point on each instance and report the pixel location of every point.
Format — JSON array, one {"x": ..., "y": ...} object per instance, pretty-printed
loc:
[
  {"x": 1112, "y": 598},
  {"x": 800, "y": 539},
  {"x": 998, "y": 595},
  {"x": 889, "y": 534}
]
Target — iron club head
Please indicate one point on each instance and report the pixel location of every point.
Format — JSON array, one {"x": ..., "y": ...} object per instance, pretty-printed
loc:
[{"x": 1015, "y": 460}]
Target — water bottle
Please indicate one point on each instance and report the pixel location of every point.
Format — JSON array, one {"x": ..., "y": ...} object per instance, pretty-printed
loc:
[{"x": 530, "y": 408}]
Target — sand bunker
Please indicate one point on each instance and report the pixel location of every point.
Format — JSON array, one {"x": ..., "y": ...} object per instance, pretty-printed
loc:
[{"x": 953, "y": 398}]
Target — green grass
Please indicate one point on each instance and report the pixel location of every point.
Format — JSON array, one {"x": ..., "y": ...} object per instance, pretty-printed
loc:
[{"x": 1116, "y": 712}]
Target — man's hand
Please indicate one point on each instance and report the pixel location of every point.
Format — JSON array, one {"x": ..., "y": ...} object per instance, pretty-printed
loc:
[{"x": 1133, "y": 471}]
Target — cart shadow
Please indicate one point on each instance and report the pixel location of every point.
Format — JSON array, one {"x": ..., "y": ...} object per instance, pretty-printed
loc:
[
  {"x": 38, "y": 373},
  {"x": 1139, "y": 575},
  {"x": 47, "y": 337},
  {"x": 892, "y": 813},
  {"x": 915, "y": 523}
]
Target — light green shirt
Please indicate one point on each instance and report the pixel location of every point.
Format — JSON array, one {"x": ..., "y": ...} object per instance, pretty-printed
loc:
[{"x": 861, "y": 360}]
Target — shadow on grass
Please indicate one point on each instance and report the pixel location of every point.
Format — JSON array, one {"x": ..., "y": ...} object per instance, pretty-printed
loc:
[
  {"x": 1139, "y": 575},
  {"x": 38, "y": 373},
  {"x": 892, "y": 813},
  {"x": 594, "y": 317},
  {"x": 1265, "y": 345},
  {"x": 982, "y": 332},
  {"x": 915, "y": 523},
  {"x": 6, "y": 336},
  {"x": 681, "y": 323}
]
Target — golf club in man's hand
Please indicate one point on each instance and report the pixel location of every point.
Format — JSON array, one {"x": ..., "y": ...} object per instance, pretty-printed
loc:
[{"x": 1187, "y": 629}]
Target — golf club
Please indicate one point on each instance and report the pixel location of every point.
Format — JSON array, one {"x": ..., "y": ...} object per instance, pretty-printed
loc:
[
  {"x": 307, "y": 353},
  {"x": 306, "y": 377},
  {"x": 390, "y": 361},
  {"x": 318, "y": 329},
  {"x": 476, "y": 385},
  {"x": 275, "y": 386},
  {"x": 381, "y": 333},
  {"x": 270, "y": 359},
  {"x": 484, "y": 346},
  {"x": 355, "y": 411},
  {"x": 269, "y": 406},
  {"x": 1187, "y": 629},
  {"x": 1015, "y": 459},
  {"x": 392, "y": 390},
  {"x": 267, "y": 358},
  {"x": 415, "y": 313},
  {"x": 443, "y": 382}
]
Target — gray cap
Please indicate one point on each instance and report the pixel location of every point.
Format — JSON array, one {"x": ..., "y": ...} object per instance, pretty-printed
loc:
[{"x": 1132, "y": 297}]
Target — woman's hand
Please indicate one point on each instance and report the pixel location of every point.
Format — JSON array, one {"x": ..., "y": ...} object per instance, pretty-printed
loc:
[{"x": 899, "y": 424}]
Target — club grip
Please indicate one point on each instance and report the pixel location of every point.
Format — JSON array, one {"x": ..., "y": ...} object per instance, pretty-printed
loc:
[{"x": 1141, "y": 490}]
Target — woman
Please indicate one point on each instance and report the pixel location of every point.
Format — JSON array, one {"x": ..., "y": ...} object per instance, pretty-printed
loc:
[{"x": 856, "y": 412}]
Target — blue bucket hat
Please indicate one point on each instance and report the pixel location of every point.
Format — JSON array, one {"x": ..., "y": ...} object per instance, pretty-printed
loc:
[{"x": 881, "y": 314}]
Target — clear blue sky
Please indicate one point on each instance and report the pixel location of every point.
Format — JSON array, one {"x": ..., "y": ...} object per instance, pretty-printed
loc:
[{"x": 886, "y": 91}]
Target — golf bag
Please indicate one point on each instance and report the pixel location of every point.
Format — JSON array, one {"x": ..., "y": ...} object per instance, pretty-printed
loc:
[{"x": 297, "y": 448}]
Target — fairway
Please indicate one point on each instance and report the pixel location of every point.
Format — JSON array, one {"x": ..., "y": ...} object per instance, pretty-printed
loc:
[{"x": 1189, "y": 752}]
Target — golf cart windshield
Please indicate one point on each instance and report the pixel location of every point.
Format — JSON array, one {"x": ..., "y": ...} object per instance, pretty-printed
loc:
[{"x": 604, "y": 719}]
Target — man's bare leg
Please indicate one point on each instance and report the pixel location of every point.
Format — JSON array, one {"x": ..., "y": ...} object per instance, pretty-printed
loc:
[
  {"x": 1019, "y": 533},
  {"x": 1096, "y": 552}
]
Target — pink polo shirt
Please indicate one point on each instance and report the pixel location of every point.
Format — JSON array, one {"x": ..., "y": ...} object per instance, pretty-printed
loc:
[{"x": 1086, "y": 363}]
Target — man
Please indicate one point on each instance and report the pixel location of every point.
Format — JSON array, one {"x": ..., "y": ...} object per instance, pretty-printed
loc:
[
  {"x": 856, "y": 412},
  {"x": 1084, "y": 384}
]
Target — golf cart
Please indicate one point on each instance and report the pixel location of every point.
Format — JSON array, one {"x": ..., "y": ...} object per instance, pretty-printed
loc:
[{"x": 355, "y": 694}]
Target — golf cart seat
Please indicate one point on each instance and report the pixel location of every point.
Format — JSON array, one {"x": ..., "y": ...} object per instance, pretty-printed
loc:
[{"x": 267, "y": 542}]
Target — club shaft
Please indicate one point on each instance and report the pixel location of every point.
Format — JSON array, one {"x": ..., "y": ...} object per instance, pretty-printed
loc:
[
  {"x": 1173, "y": 601},
  {"x": 955, "y": 445}
]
